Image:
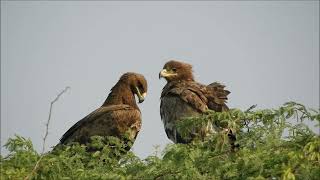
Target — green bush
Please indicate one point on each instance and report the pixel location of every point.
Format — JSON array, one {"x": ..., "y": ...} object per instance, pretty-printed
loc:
[{"x": 274, "y": 144}]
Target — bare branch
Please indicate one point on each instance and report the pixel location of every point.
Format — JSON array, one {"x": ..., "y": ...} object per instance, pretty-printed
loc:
[
  {"x": 49, "y": 118},
  {"x": 250, "y": 108},
  {"x": 246, "y": 122},
  {"x": 46, "y": 133}
]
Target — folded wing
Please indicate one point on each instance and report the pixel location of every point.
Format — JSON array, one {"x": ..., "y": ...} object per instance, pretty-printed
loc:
[{"x": 114, "y": 120}]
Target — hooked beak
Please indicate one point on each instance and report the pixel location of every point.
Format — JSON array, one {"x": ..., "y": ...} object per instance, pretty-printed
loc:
[
  {"x": 141, "y": 97},
  {"x": 164, "y": 73}
]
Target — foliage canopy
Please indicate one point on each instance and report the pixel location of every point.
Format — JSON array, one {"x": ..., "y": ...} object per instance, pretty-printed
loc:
[{"x": 274, "y": 144}]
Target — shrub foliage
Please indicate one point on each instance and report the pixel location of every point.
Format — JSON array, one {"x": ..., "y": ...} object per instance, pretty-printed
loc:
[{"x": 274, "y": 144}]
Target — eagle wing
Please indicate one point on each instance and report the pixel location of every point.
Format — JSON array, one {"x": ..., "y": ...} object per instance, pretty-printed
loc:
[
  {"x": 190, "y": 92},
  {"x": 189, "y": 98},
  {"x": 113, "y": 120},
  {"x": 217, "y": 97}
]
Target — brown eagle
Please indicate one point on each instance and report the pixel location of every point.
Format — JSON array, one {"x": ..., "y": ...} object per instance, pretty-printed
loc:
[
  {"x": 118, "y": 115},
  {"x": 183, "y": 97}
]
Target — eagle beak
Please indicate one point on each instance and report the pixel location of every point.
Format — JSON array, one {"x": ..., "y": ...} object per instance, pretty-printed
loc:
[
  {"x": 164, "y": 73},
  {"x": 141, "y": 97}
]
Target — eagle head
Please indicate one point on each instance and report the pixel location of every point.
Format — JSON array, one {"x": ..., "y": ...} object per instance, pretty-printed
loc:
[
  {"x": 137, "y": 83},
  {"x": 176, "y": 71}
]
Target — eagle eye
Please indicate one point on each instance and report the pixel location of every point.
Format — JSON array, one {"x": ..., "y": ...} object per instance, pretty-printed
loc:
[{"x": 174, "y": 69}]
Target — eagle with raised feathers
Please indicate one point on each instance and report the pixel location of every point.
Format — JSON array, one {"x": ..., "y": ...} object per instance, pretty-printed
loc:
[
  {"x": 118, "y": 115},
  {"x": 183, "y": 97}
]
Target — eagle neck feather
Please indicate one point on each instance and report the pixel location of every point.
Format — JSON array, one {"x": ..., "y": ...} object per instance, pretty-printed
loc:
[{"x": 121, "y": 94}]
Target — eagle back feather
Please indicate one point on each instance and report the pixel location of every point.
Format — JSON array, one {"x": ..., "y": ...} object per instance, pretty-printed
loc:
[
  {"x": 199, "y": 96},
  {"x": 112, "y": 120}
]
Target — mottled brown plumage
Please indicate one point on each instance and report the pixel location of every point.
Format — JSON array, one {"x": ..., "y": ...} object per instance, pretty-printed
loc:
[
  {"x": 183, "y": 97},
  {"x": 118, "y": 115}
]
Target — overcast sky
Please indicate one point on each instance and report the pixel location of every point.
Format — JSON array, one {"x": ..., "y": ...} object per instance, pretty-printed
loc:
[{"x": 266, "y": 53}]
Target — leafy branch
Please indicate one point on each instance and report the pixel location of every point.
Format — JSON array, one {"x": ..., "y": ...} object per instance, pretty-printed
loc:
[{"x": 276, "y": 147}]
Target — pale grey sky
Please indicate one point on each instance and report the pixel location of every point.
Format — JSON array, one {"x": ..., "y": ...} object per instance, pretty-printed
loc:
[{"x": 266, "y": 53}]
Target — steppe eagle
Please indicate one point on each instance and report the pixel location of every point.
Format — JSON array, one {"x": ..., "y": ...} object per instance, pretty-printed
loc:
[
  {"x": 183, "y": 97},
  {"x": 119, "y": 114}
]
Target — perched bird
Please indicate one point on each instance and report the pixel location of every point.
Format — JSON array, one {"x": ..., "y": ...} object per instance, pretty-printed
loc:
[
  {"x": 118, "y": 115},
  {"x": 183, "y": 97}
]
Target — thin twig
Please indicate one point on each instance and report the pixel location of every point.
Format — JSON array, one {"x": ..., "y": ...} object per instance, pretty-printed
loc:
[
  {"x": 50, "y": 112},
  {"x": 250, "y": 108},
  {"x": 246, "y": 123},
  {"x": 46, "y": 133}
]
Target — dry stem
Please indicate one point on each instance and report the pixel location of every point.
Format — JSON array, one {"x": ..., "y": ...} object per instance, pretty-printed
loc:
[{"x": 46, "y": 133}]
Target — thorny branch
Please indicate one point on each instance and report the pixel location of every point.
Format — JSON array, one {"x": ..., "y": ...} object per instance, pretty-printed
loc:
[{"x": 47, "y": 132}]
